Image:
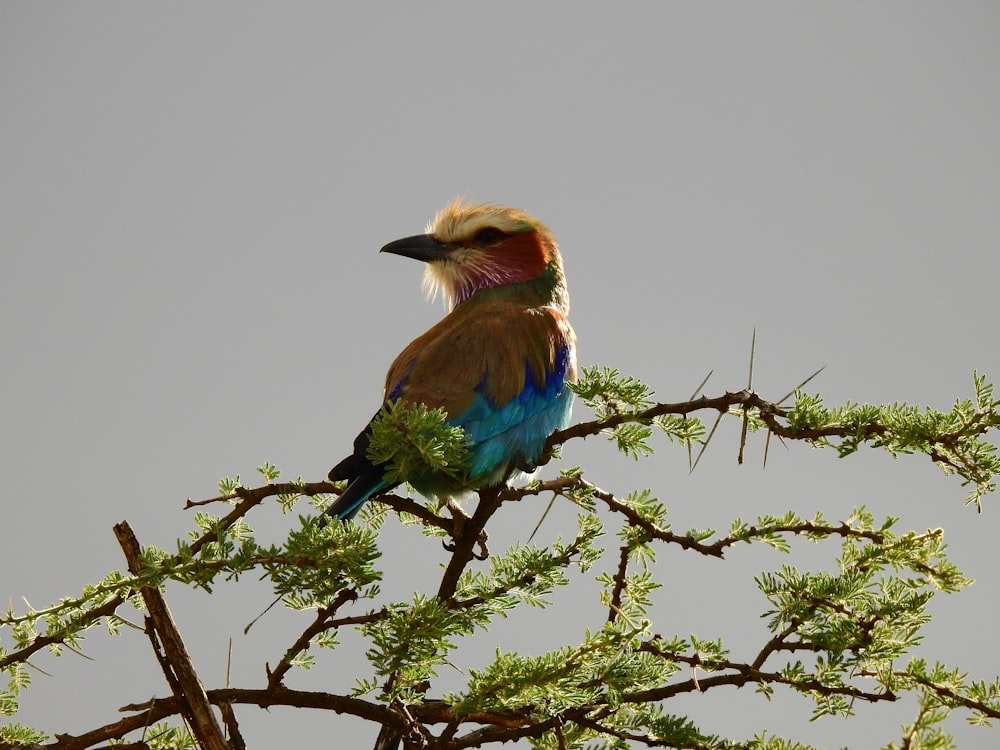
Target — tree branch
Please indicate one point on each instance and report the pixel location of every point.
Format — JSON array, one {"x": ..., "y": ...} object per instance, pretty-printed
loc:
[
  {"x": 321, "y": 623},
  {"x": 174, "y": 658},
  {"x": 465, "y": 543}
]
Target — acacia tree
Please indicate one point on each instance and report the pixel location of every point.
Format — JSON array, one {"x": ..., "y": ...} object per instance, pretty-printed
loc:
[{"x": 835, "y": 638}]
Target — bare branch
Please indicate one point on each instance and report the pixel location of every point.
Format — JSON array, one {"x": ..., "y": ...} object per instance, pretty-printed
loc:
[
  {"x": 321, "y": 623},
  {"x": 174, "y": 659}
]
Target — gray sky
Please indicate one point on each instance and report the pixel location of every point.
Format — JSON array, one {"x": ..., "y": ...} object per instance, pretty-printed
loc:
[{"x": 191, "y": 202}]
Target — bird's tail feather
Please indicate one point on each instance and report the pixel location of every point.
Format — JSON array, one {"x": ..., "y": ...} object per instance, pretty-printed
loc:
[{"x": 360, "y": 489}]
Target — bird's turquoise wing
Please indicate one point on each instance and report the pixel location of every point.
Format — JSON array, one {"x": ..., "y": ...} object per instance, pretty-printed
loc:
[
  {"x": 500, "y": 371},
  {"x": 514, "y": 433}
]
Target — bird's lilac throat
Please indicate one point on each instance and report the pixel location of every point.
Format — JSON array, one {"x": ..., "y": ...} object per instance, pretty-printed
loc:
[{"x": 519, "y": 259}]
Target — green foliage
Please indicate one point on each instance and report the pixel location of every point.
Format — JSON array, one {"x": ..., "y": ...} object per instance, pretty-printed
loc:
[
  {"x": 16, "y": 734},
  {"x": 417, "y": 445},
  {"x": 952, "y": 439},
  {"x": 162, "y": 736},
  {"x": 611, "y": 394},
  {"x": 681, "y": 429},
  {"x": 835, "y": 636},
  {"x": 412, "y": 640},
  {"x": 603, "y": 667},
  {"x": 269, "y": 471},
  {"x": 19, "y": 679},
  {"x": 608, "y": 392},
  {"x": 319, "y": 561}
]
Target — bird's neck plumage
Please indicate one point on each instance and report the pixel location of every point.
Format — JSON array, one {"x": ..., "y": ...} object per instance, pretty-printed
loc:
[
  {"x": 527, "y": 269},
  {"x": 548, "y": 289}
]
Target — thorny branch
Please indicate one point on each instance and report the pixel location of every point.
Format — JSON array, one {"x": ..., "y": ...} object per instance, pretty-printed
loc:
[
  {"x": 616, "y": 594},
  {"x": 171, "y": 652},
  {"x": 941, "y": 451},
  {"x": 247, "y": 500},
  {"x": 564, "y": 485},
  {"x": 322, "y": 622},
  {"x": 467, "y": 533}
]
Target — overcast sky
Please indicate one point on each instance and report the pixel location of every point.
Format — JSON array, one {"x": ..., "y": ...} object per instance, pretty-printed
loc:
[{"x": 192, "y": 197}]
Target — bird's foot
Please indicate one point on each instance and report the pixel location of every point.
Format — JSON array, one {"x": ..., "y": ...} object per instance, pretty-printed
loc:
[
  {"x": 482, "y": 554},
  {"x": 458, "y": 516},
  {"x": 459, "y": 519},
  {"x": 484, "y": 551}
]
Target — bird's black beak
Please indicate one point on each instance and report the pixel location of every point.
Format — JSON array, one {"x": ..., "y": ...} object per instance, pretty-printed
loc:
[{"x": 419, "y": 247}]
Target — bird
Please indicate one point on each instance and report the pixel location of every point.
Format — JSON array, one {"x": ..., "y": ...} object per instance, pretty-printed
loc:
[{"x": 499, "y": 363}]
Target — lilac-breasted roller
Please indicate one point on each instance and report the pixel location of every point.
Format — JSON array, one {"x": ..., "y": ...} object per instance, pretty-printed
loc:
[{"x": 498, "y": 363}]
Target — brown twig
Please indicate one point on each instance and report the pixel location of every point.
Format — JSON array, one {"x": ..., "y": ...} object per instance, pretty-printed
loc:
[
  {"x": 716, "y": 548},
  {"x": 616, "y": 595},
  {"x": 105, "y": 610},
  {"x": 321, "y": 623},
  {"x": 952, "y": 696},
  {"x": 232, "y": 726},
  {"x": 174, "y": 658},
  {"x": 739, "y": 674},
  {"x": 465, "y": 543}
]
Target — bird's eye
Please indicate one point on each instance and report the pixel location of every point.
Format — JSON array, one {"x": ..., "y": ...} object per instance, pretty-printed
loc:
[{"x": 488, "y": 235}]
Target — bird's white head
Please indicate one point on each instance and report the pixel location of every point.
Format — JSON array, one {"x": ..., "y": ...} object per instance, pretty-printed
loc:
[{"x": 469, "y": 248}]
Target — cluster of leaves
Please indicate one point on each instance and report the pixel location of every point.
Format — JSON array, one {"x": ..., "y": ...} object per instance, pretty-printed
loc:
[
  {"x": 624, "y": 407},
  {"x": 954, "y": 440},
  {"x": 835, "y": 636},
  {"x": 416, "y": 443}
]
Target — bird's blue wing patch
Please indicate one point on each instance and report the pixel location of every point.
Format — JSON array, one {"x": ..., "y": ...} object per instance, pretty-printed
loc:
[{"x": 515, "y": 432}]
